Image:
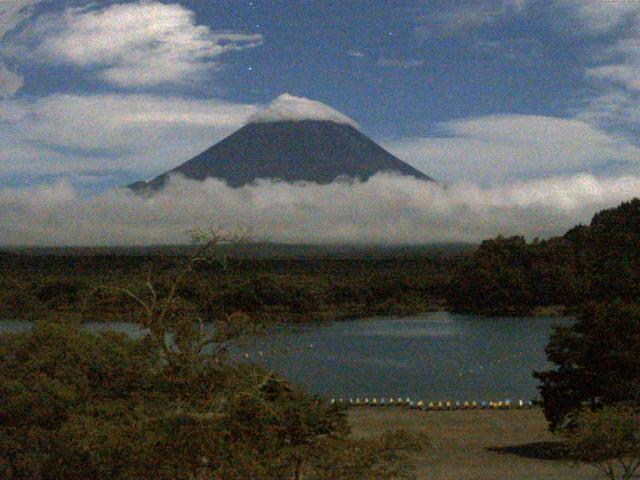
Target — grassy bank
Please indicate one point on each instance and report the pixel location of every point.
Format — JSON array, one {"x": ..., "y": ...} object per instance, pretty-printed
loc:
[{"x": 477, "y": 444}]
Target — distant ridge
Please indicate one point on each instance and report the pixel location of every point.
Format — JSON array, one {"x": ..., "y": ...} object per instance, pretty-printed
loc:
[{"x": 292, "y": 140}]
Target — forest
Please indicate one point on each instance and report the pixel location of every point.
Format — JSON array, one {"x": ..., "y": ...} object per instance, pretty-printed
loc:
[
  {"x": 284, "y": 289},
  {"x": 599, "y": 262},
  {"x": 502, "y": 276}
]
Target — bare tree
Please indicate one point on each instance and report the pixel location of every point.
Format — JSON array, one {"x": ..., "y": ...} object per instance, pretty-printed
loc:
[{"x": 175, "y": 324}]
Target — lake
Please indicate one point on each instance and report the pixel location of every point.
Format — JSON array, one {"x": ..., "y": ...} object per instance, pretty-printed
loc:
[{"x": 436, "y": 356}]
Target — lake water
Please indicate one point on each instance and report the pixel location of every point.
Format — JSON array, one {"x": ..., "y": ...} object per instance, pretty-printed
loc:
[{"x": 436, "y": 356}]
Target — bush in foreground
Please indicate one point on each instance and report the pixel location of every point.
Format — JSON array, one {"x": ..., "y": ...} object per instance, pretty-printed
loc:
[
  {"x": 76, "y": 405},
  {"x": 608, "y": 439}
]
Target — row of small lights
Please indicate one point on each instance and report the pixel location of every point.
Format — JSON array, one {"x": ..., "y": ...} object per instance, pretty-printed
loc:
[{"x": 421, "y": 405}]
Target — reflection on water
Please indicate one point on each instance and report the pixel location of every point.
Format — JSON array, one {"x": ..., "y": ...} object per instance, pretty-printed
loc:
[
  {"x": 407, "y": 328},
  {"x": 431, "y": 357}
]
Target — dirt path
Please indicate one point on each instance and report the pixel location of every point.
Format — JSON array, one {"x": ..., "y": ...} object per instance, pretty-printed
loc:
[{"x": 477, "y": 445}]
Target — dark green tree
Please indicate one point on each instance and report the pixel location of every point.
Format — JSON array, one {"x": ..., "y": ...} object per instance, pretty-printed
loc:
[
  {"x": 496, "y": 279},
  {"x": 599, "y": 262},
  {"x": 597, "y": 362}
]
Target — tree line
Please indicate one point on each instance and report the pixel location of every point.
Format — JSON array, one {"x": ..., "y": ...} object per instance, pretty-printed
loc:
[
  {"x": 592, "y": 394},
  {"x": 595, "y": 263}
]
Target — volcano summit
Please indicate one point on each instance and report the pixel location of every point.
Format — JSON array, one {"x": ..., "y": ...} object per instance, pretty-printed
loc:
[{"x": 292, "y": 140}]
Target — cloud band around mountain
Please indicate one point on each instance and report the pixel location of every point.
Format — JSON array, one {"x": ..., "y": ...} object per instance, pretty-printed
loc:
[{"x": 387, "y": 209}]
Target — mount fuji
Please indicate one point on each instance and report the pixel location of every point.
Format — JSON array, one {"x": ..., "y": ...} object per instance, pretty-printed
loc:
[{"x": 293, "y": 140}]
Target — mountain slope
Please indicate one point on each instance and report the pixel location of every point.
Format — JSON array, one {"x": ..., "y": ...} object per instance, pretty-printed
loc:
[{"x": 309, "y": 150}]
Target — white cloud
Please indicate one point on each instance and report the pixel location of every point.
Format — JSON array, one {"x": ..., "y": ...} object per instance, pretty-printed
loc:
[
  {"x": 501, "y": 147},
  {"x": 135, "y": 44},
  {"x": 10, "y": 82},
  {"x": 623, "y": 74},
  {"x": 400, "y": 62},
  {"x": 595, "y": 17},
  {"x": 615, "y": 27},
  {"x": 465, "y": 16},
  {"x": 142, "y": 44},
  {"x": 615, "y": 109},
  {"x": 355, "y": 53},
  {"x": 385, "y": 209},
  {"x": 289, "y": 108},
  {"x": 144, "y": 133},
  {"x": 615, "y": 68},
  {"x": 13, "y": 13},
  {"x": 622, "y": 62}
]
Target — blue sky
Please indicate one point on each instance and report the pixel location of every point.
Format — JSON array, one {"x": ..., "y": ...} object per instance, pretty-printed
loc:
[{"x": 490, "y": 91}]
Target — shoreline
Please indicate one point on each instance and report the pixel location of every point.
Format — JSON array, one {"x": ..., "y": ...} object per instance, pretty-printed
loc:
[{"x": 328, "y": 316}]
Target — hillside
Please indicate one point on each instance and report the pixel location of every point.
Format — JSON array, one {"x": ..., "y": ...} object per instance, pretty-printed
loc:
[{"x": 598, "y": 262}]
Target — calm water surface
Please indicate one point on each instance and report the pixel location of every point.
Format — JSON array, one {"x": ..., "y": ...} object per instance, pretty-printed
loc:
[{"x": 436, "y": 356}]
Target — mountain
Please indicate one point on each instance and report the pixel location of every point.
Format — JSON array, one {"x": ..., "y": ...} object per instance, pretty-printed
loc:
[{"x": 290, "y": 150}]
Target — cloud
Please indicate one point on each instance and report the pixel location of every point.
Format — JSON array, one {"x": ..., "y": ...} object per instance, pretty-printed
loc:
[
  {"x": 384, "y": 210},
  {"x": 134, "y": 44},
  {"x": 502, "y": 147},
  {"x": 143, "y": 44},
  {"x": 290, "y": 108},
  {"x": 142, "y": 134},
  {"x": 400, "y": 62},
  {"x": 465, "y": 16},
  {"x": 615, "y": 109},
  {"x": 10, "y": 82},
  {"x": 627, "y": 75},
  {"x": 524, "y": 50},
  {"x": 136, "y": 132},
  {"x": 622, "y": 63},
  {"x": 597, "y": 17},
  {"x": 355, "y": 53},
  {"x": 13, "y": 13},
  {"x": 614, "y": 27}
]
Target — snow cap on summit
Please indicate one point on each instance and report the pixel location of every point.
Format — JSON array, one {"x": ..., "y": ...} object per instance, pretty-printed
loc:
[{"x": 288, "y": 108}]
